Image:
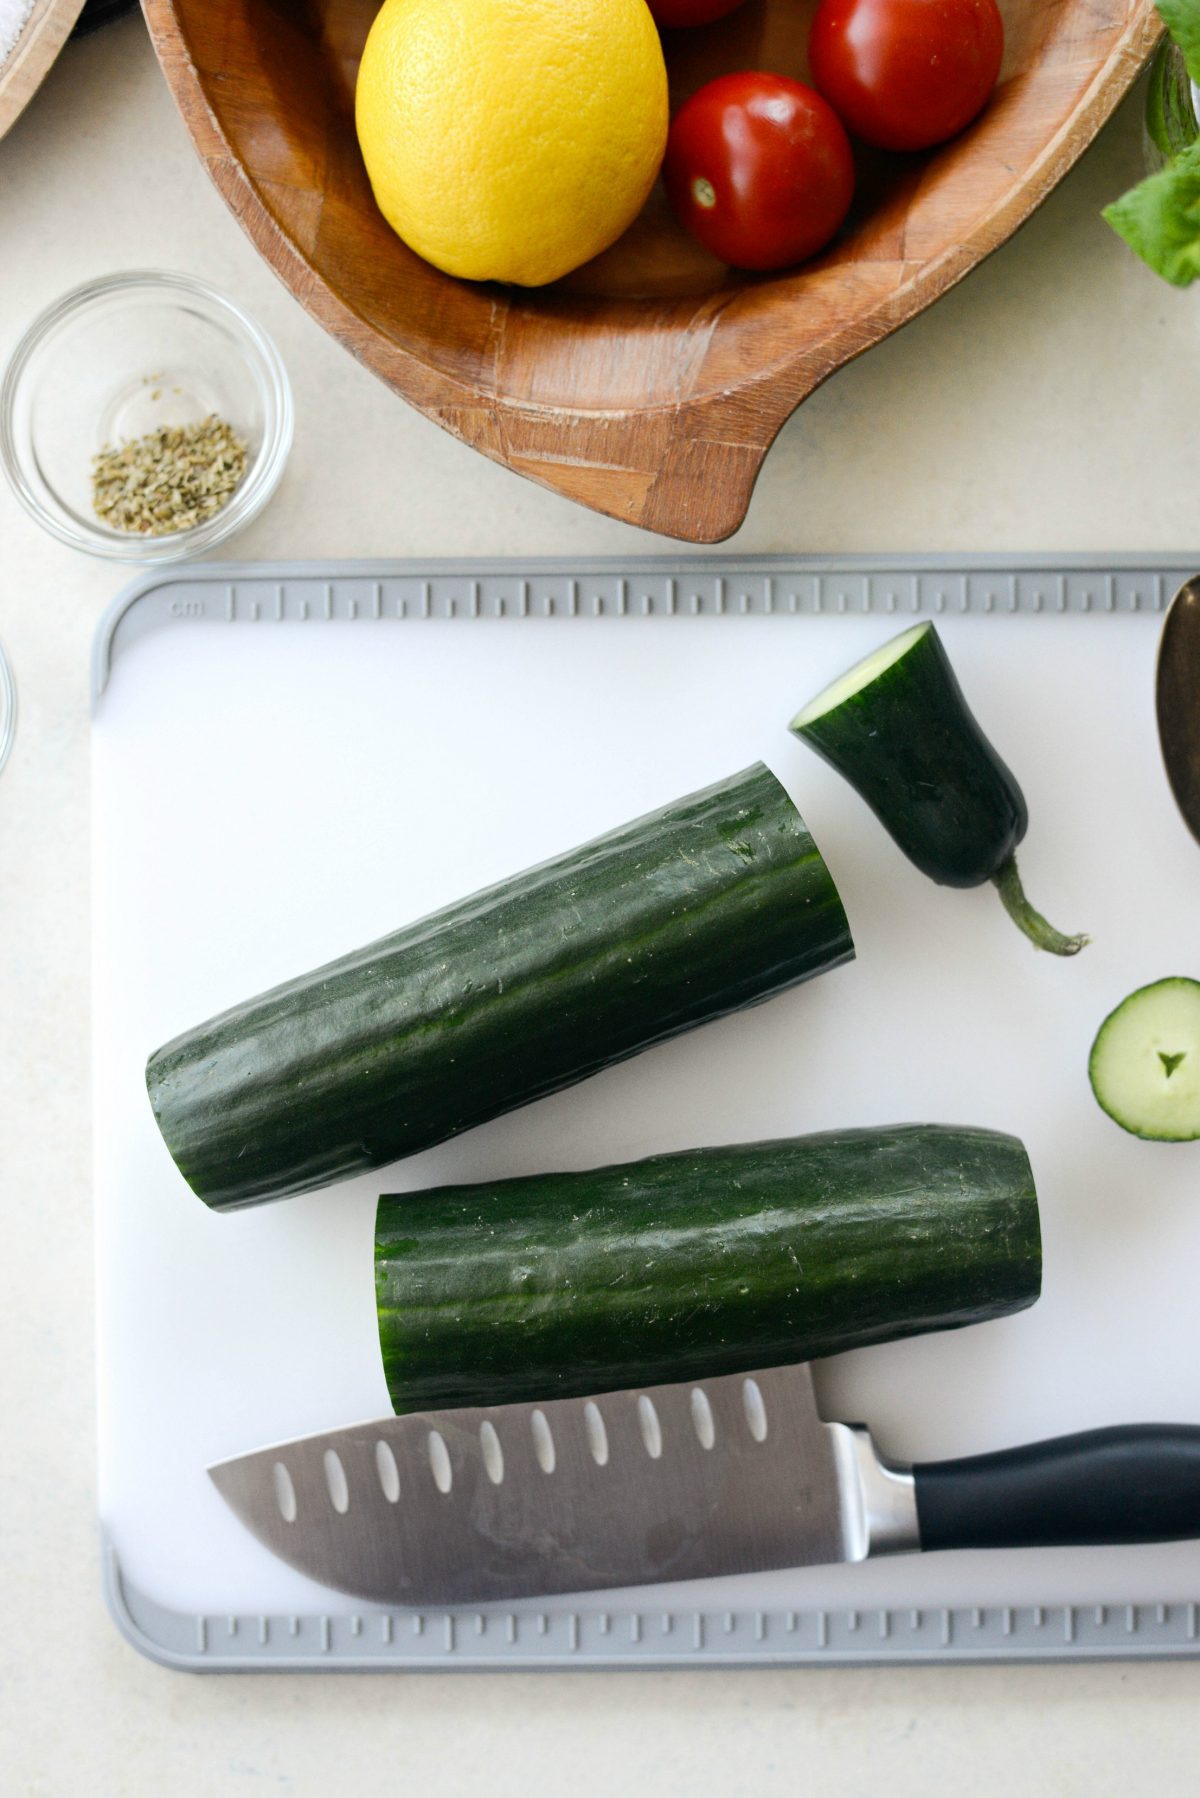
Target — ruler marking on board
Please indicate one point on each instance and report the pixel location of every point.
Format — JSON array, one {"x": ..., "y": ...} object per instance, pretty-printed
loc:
[
  {"x": 973, "y": 591},
  {"x": 324, "y": 1638}
]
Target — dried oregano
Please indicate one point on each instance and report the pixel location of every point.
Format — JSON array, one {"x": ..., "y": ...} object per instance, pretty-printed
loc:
[{"x": 172, "y": 479}]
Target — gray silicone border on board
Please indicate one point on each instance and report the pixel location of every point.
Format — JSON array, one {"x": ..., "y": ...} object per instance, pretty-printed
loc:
[
  {"x": 646, "y": 1636},
  {"x": 621, "y": 1637},
  {"x": 377, "y": 592}
]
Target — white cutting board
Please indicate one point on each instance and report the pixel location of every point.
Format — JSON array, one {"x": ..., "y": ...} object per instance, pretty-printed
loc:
[{"x": 268, "y": 795}]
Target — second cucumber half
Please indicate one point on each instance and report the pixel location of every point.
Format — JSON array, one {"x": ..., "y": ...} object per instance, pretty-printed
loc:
[
  {"x": 710, "y": 904},
  {"x": 704, "y": 1262}
]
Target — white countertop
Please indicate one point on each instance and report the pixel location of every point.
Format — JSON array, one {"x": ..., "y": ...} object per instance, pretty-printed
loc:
[{"x": 1047, "y": 403}]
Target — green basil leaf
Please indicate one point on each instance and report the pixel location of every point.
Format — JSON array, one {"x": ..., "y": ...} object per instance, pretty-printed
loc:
[
  {"x": 1170, "y": 114},
  {"x": 1182, "y": 20},
  {"x": 1160, "y": 219}
]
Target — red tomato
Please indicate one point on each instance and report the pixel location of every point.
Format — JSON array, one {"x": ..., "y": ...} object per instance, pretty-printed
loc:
[
  {"x": 670, "y": 13},
  {"x": 759, "y": 169},
  {"x": 905, "y": 74}
]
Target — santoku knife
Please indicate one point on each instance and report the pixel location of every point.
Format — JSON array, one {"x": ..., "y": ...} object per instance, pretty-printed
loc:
[{"x": 733, "y": 1475}]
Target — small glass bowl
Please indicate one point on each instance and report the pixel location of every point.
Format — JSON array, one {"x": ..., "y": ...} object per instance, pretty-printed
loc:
[
  {"x": 8, "y": 707},
  {"x": 113, "y": 361}
]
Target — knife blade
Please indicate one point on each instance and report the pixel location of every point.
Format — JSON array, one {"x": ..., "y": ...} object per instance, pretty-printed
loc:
[{"x": 736, "y": 1474}]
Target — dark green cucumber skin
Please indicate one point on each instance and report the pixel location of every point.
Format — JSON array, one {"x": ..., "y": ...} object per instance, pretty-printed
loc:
[
  {"x": 911, "y": 747},
  {"x": 707, "y": 1262},
  {"x": 712, "y": 903}
]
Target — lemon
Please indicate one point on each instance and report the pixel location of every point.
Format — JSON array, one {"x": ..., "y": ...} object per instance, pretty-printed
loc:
[{"x": 511, "y": 140}]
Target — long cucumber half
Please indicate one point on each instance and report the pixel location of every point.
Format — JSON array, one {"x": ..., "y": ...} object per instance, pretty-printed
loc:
[
  {"x": 899, "y": 729},
  {"x": 700, "y": 1263},
  {"x": 711, "y": 903},
  {"x": 1145, "y": 1062}
]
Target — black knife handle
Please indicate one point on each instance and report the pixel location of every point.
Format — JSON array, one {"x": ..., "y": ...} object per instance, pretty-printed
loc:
[{"x": 1135, "y": 1483}]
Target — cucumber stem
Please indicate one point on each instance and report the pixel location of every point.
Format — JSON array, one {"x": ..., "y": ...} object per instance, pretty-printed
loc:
[{"x": 1040, "y": 933}]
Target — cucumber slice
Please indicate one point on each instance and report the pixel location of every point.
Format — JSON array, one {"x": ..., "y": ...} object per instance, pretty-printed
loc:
[
  {"x": 898, "y": 728},
  {"x": 1145, "y": 1062}
]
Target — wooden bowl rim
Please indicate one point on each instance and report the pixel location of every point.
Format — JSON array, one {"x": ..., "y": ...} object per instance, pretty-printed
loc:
[
  {"x": 778, "y": 384},
  {"x": 31, "y": 58}
]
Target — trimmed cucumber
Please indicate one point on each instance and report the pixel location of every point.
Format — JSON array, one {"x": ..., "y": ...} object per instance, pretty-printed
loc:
[
  {"x": 897, "y": 726},
  {"x": 1145, "y": 1062},
  {"x": 708, "y": 905},
  {"x": 707, "y": 1262}
]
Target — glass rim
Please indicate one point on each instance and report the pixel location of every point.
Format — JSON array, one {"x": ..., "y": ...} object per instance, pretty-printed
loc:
[
  {"x": 247, "y": 500},
  {"x": 8, "y": 707}
]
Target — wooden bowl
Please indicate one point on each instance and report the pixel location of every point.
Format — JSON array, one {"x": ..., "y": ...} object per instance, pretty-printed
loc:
[
  {"x": 31, "y": 58},
  {"x": 649, "y": 384}
]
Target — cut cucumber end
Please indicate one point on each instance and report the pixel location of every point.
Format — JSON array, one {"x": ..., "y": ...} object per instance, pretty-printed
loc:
[
  {"x": 1145, "y": 1062},
  {"x": 861, "y": 675}
]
